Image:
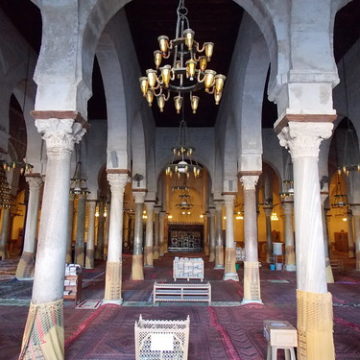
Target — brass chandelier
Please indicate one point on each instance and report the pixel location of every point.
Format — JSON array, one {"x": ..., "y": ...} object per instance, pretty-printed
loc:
[{"x": 188, "y": 72}]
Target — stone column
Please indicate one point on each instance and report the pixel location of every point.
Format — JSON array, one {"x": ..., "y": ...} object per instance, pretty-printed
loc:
[
  {"x": 117, "y": 180},
  {"x": 46, "y": 306},
  {"x": 149, "y": 238},
  {"x": 157, "y": 233},
  {"x": 69, "y": 230},
  {"x": 106, "y": 232},
  {"x": 268, "y": 210},
  {"x": 137, "y": 271},
  {"x": 219, "y": 247},
  {"x": 314, "y": 303},
  {"x": 251, "y": 264},
  {"x": 99, "y": 252},
  {"x": 90, "y": 245},
  {"x": 4, "y": 233},
  {"x": 206, "y": 234},
  {"x": 328, "y": 269},
  {"x": 212, "y": 234},
  {"x": 162, "y": 232},
  {"x": 355, "y": 209},
  {"x": 290, "y": 260},
  {"x": 25, "y": 268},
  {"x": 126, "y": 229},
  {"x": 230, "y": 255},
  {"x": 351, "y": 244},
  {"x": 80, "y": 230}
]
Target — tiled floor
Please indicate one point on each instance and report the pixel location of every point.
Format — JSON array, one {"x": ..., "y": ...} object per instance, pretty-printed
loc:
[{"x": 224, "y": 330}]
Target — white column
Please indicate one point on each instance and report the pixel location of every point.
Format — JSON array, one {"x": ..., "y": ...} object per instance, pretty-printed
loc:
[
  {"x": 80, "y": 230},
  {"x": 90, "y": 244},
  {"x": 268, "y": 210},
  {"x": 251, "y": 264},
  {"x": 137, "y": 270},
  {"x": 230, "y": 255},
  {"x": 212, "y": 234},
  {"x": 162, "y": 232},
  {"x": 113, "y": 276},
  {"x": 219, "y": 248},
  {"x": 157, "y": 233},
  {"x": 25, "y": 268},
  {"x": 207, "y": 234},
  {"x": 149, "y": 238},
  {"x": 351, "y": 244},
  {"x": 99, "y": 252},
  {"x": 4, "y": 234},
  {"x": 47, "y": 295},
  {"x": 290, "y": 258},
  {"x": 69, "y": 231},
  {"x": 355, "y": 209},
  {"x": 314, "y": 303}
]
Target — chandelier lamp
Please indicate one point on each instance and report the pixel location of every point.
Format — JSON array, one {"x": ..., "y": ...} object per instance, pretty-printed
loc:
[
  {"x": 187, "y": 72},
  {"x": 182, "y": 162},
  {"x": 339, "y": 197}
]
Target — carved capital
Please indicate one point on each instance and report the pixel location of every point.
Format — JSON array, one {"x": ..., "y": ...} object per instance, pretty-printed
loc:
[
  {"x": 303, "y": 139},
  {"x": 117, "y": 182},
  {"x": 249, "y": 182},
  {"x": 35, "y": 182},
  {"x": 139, "y": 197},
  {"x": 60, "y": 134}
]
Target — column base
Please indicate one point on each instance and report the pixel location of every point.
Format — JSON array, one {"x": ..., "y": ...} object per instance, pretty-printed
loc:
[
  {"x": 148, "y": 256},
  {"x": 290, "y": 257},
  {"x": 79, "y": 256},
  {"x": 251, "y": 282},
  {"x": 315, "y": 326},
  {"x": 156, "y": 252},
  {"x": 231, "y": 276},
  {"x": 329, "y": 272},
  {"x": 219, "y": 257},
  {"x": 161, "y": 250},
  {"x": 290, "y": 267},
  {"x": 44, "y": 332},
  {"x": 113, "y": 281},
  {"x": 68, "y": 259},
  {"x": 89, "y": 260},
  {"x": 219, "y": 267},
  {"x": 246, "y": 302},
  {"x": 25, "y": 268},
  {"x": 212, "y": 256},
  {"x": 112, "y": 302},
  {"x": 206, "y": 250},
  {"x": 137, "y": 272}
]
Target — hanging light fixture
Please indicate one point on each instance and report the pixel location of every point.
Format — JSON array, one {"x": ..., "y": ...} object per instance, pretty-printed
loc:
[
  {"x": 78, "y": 184},
  {"x": 339, "y": 197},
  {"x": 5, "y": 191},
  {"x": 182, "y": 162},
  {"x": 188, "y": 72},
  {"x": 287, "y": 192}
]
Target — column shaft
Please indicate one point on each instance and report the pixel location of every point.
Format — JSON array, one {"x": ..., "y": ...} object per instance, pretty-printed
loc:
[
  {"x": 25, "y": 268},
  {"x": 212, "y": 235},
  {"x": 90, "y": 245},
  {"x": 148, "y": 251},
  {"x": 162, "y": 233},
  {"x": 219, "y": 248},
  {"x": 157, "y": 234},
  {"x": 80, "y": 230},
  {"x": 68, "y": 258},
  {"x": 4, "y": 234},
  {"x": 290, "y": 259},
  {"x": 269, "y": 255}
]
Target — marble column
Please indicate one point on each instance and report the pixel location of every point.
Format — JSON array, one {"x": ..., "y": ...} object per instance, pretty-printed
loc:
[
  {"x": 207, "y": 234},
  {"x": 251, "y": 264},
  {"x": 4, "y": 233},
  {"x": 290, "y": 259},
  {"x": 157, "y": 233},
  {"x": 69, "y": 229},
  {"x": 47, "y": 296},
  {"x": 90, "y": 244},
  {"x": 137, "y": 270},
  {"x": 162, "y": 232},
  {"x": 99, "y": 251},
  {"x": 212, "y": 234},
  {"x": 268, "y": 211},
  {"x": 328, "y": 269},
  {"x": 219, "y": 248},
  {"x": 80, "y": 230},
  {"x": 351, "y": 243},
  {"x": 149, "y": 237},
  {"x": 230, "y": 251},
  {"x": 106, "y": 232},
  {"x": 314, "y": 302},
  {"x": 113, "y": 277},
  {"x": 25, "y": 268},
  {"x": 355, "y": 209},
  {"x": 126, "y": 228}
]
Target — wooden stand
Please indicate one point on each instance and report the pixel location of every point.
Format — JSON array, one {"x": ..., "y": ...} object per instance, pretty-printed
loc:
[{"x": 72, "y": 286}]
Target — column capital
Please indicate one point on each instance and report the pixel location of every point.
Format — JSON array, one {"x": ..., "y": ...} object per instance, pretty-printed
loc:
[
  {"x": 303, "y": 138},
  {"x": 117, "y": 181},
  {"x": 218, "y": 205},
  {"x": 229, "y": 199},
  {"x": 157, "y": 209},
  {"x": 35, "y": 182},
  {"x": 60, "y": 134},
  {"x": 249, "y": 181},
  {"x": 355, "y": 209},
  {"x": 212, "y": 211},
  {"x": 139, "y": 197}
]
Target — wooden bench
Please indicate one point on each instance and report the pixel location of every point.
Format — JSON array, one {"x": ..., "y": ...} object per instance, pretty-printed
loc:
[
  {"x": 182, "y": 292},
  {"x": 280, "y": 335}
]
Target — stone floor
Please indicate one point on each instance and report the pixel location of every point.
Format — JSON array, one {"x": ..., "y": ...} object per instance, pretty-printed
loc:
[{"x": 224, "y": 330}]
